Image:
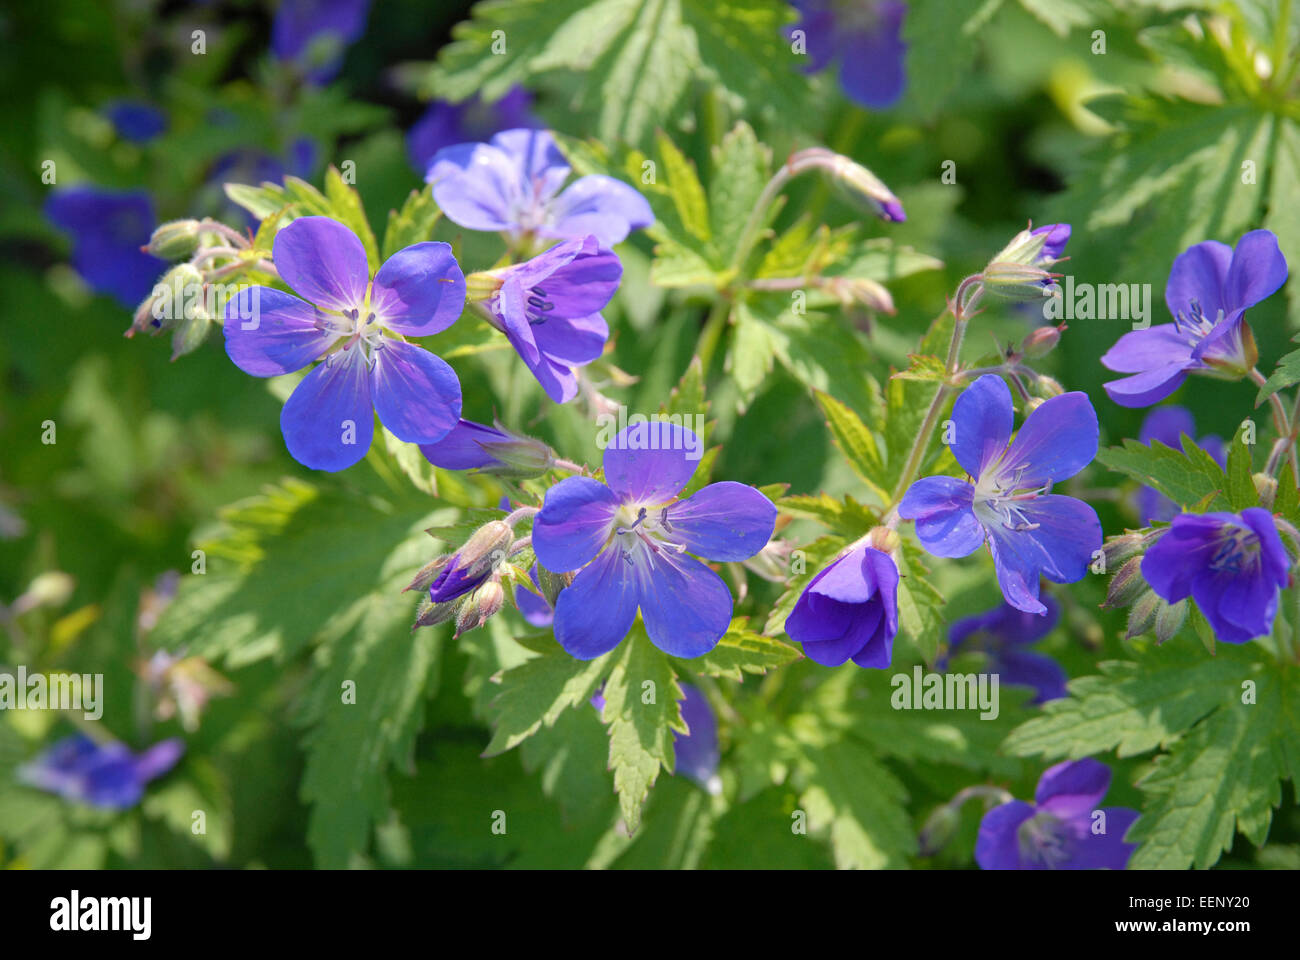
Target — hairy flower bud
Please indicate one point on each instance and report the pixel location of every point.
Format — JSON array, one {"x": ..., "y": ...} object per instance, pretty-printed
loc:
[
  {"x": 1169, "y": 619},
  {"x": 474, "y": 562},
  {"x": 1126, "y": 586},
  {"x": 860, "y": 290},
  {"x": 1042, "y": 341},
  {"x": 856, "y": 181},
  {"x": 1142, "y": 617},
  {"x": 480, "y": 606},
  {"x": 174, "y": 240}
]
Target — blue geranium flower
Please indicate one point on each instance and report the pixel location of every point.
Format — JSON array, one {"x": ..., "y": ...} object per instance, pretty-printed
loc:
[
  {"x": 1232, "y": 565},
  {"x": 135, "y": 121},
  {"x": 549, "y": 309},
  {"x": 1004, "y": 634},
  {"x": 1061, "y": 829},
  {"x": 866, "y": 38},
  {"x": 1030, "y": 532},
  {"x": 849, "y": 610},
  {"x": 313, "y": 34},
  {"x": 446, "y": 124},
  {"x": 108, "y": 230},
  {"x": 629, "y": 544},
  {"x": 512, "y": 184},
  {"x": 1210, "y": 287},
  {"x": 357, "y": 326},
  {"x": 1168, "y": 425},
  {"x": 255, "y": 166},
  {"x": 105, "y": 775}
]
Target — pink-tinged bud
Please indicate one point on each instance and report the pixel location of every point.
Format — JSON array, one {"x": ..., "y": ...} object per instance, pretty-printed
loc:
[
  {"x": 1017, "y": 281},
  {"x": 427, "y": 573},
  {"x": 860, "y": 290},
  {"x": 480, "y": 606},
  {"x": 859, "y": 184},
  {"x": 174, "y": 240},
  {"x": 1039, "y": 343}
]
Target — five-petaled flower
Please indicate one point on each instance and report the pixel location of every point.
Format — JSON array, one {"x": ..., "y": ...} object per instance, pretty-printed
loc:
[
  {"x": 356, "y": 326},
  {"x": 512, "y": 184},
  {"x": 105, "y": 775},
  {"x": 866, "y": 37},
  {"x": 1210, "y": 287},
  {"x": 109, "y": 230},
  {"x": 849, "y": 610},
  {"x": 1004, "y": 635},
  {"x": 549, "y": 309},
  {"x": 1063, "y": 829},
  {"x": 1169, "y": 425},
  {"x": 1030, "y": 532},
  {"x": 629, "y": 539},
  {"x": 1231, "y": 564}
]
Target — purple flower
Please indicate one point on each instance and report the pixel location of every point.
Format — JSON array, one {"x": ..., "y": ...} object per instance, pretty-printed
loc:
[
  {"x": 1061, "y": 829},
  {"x": 108, "y": 229},
  {"x": 696, "y": 753},
  {"x": 105, "y": 775},
  {"x": 1030, "y": 532},
  {"x": 1168, "y": 424},
  {"x": 135, "y": 121},
  {"x": 1231, "y": 565},
  {"x": 1210, "y": 287},
  {"x": 549, "y": 309},
  {"x": 446, "y": 124},
  {"x": 512, "y": 184},
  {"x": 253, "y": 166},
  {"x": 866, "y": 37},
  {"x": 475, "y": 446},
  {"x": 534, "y": 608},
  {"x": 314, "y": 33},
  {"x": 327, "y": 421},
  {"x": 629, "y": 542},
  {"x": 1004, "y": 634},
  {"x": 849, "y": 610},
  {"x": 472, "y": 565}
]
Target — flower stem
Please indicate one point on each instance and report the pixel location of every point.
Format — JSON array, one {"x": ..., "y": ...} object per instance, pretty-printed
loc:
[
  {"x": 712, "y": 332},
  {"x": 1286, "y": 432}
]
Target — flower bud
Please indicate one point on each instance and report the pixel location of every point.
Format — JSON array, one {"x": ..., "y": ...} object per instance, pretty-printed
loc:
[
  {"x": 939, "y": 828},
  {"x": 1142, "y": 617},
  {"x": 426, "y": 574},
  {"x": 1169, "y": 619},
  {"x": 429, "y": 613},
  {"x": 1017, "y": 281},
  {"x": 50, "y": 589},
  {"x": 860, "y": 290},
  {"x": 1042, "y": 341},
  {"x": 1266, "y": 487},
  {"x": 1048, "y": 387},
  {"x": 174, "y": 240},
  {"x": 474, "y": 562},
  {"x": 1126, "y": 586},
  {"x": 481, "y": 605},
  {"x": 1118, "y": 549},
  {"x": 859, "y": 184},
  {"x": 516, "y": 456}
]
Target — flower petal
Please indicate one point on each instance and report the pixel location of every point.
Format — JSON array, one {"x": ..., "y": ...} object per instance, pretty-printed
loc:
[
  {"x": 1057, "y": 441},
  {"x": 579, "y": 340},
  {"x": 723, "y": 521},
  {"x": 1073, "y": 788},
  {"x": 983, "y": 418},
  {"x": 1198, "y": 274},
  {"x": 594, "y": 613},
  {"x": 328, "y": 421},
  {"x": 416, "y": 394},
  {"x": 512, "y": 310},
  {"x": 420, "y": 290},
  {"x": 696, "y": 752},
  {"x": 1144, "y": 389},
  {"x": 872, "y": 61},
  {"x": 323, "y": 261},
  {"x": 1168, "y": 425},
  {"x": 685, "y": 605},
  {"x": 476, "y": 186},
  {"x": 1026, "y": 668},
  {"x": 997, "y": 846},
  {"x": 1257, "y": 270},
  {"x": 1155, "y": 347},
  {"x": 649, "y": 462},
  {"x": 1171, "y": 564},
  {"x": 945, "y": 521},
  {"x": 575, "y": 522},
  {"x": 461, "y": 449},
  {"x": 269, "y": 332},
  {"x": 598, "y": 206},
  {"x": 538, "y": 162},
  {"x": 1105, "y": 851},
  {"x": 1066, "y": 534}
]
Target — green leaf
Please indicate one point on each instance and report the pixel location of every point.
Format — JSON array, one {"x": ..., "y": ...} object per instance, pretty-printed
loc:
[
  {"x": 742, "y": 651},
  {"x": 536, "y": 692},
  {"x": 345, "y": 206},
  {"x": 1285, "y": 374},
  {"x": 856, "y": 442},
  {"x": 1241, "y": 490},
  {"x": 752, "y": 352},
  {"x": 741, "y": 168},
  {"x": 414, "y": 223},
  {"x": 1186, "y": 478},
  {"x": 683, "y": 187},
  {"x": 846, "y": 517},
  {"x": 640, "y": 732}
]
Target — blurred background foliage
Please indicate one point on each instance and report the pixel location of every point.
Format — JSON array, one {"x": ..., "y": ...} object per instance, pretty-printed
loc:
[{"x": 1139, "y": 147}]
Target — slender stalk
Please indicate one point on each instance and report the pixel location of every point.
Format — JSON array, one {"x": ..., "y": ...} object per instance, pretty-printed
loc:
[
  {"x": 712, "y": 332},
  {"x": 1286, "y": 432}
]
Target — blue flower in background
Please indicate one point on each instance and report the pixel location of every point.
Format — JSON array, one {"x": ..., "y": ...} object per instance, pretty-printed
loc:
[
  {"x": 866, "y": 38},
  {"x": 447, "y": 124},
  {"x": 629, "y": 542},
  {"x": 1060, "y": 830},
  {"x": 1004, "y": 634},
  {"x": 1168, "y": 424},
  {"x": 534, "y": 608},
  {"x": 549, "y": 309},
  {"x": 1211, "y": 285},
  {"x": 512, "y": 184},
  {"x": 105, "y": 775},
  {"x": 254, "y": 166},
  {"x": 1030, "y": 532},
  {"x": 314, "y": 34},
  {"x": 1232, "y": 565},
  {"x": 850, "y": 609},
  {"x": 135, "y": 121},
  {"x": 108, "y": 228},
  {"x": 328, "y": 422},
  {"x": 696, "y": 753}
]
